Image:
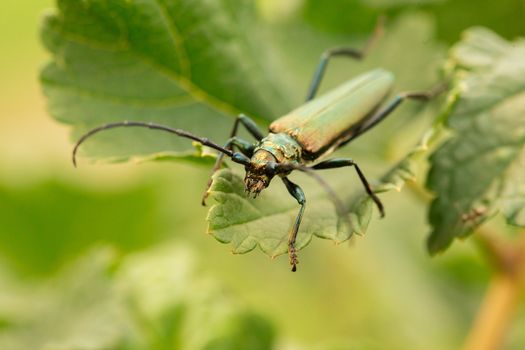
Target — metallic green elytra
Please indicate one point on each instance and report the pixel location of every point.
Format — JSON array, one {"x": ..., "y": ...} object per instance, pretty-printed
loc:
[
  {"x": 297, "y": 140},
  {"x": 318, "y": 127},
  {"x": 322, "y": 124}
]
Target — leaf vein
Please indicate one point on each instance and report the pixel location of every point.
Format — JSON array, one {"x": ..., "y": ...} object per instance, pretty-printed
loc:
[
  {"x": 176, "y": 37},
  {"x": 199, "y": 94},
  {"x": 167, "y": 102}
]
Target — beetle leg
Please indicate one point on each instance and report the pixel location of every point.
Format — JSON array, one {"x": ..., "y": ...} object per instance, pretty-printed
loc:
[
  {"x": 243, "y": 146},
  {"x": 342, "y": 51},
  {"x": 298, "y": 194},
  {"x": 342, "y": 162},
  {"x": 249, "y": 124},
  {"x": 392, "y": 105}
]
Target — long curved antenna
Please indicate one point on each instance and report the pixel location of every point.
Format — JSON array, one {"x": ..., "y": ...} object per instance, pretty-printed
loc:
[
  {"x": 178, "y": 132},
  {"x": 339, "y": 206}
]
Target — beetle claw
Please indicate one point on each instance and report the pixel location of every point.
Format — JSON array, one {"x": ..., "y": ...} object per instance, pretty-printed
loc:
[{"x": 293, "y": 257}]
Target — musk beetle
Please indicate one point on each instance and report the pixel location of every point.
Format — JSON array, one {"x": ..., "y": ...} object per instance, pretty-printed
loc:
[{"x": 310, "y": 132}]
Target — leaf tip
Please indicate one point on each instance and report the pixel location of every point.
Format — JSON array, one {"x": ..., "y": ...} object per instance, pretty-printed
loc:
[{"x": 436, "y": 246}]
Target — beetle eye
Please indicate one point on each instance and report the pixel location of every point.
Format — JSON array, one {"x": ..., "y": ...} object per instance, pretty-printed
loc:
[
  {"x": 240, "y": 158},
  {"x": 283, "y": 167},
  {"x": 271, "y": 167}
]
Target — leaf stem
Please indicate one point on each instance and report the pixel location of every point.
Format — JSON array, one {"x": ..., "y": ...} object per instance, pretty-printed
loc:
[{"x": 500, "y": 302}]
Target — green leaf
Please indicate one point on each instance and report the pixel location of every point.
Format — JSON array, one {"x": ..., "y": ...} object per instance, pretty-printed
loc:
[
  {"x": 150, "y": 300},
  {"x": 480, "y": 169},
  {"x": 356, "y": 16},
  {"x": 174, "y": 306},
  {"x": 188, "y": 64},
  {"x": 246, "y": 223},
  {"x": 399, "y": 3},
  {"x": 65, "y": 219},
  {"x": 78, "y": 309}
]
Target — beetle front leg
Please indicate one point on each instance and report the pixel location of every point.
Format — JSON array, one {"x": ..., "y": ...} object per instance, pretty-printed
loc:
[
  {"x": 244, "y": 147},
  {"x": 342, "y": 162},
  {"x": 298, "y": 194},
  {"x": 249, "y": 124},
  {"x": 342, "y": 51}
]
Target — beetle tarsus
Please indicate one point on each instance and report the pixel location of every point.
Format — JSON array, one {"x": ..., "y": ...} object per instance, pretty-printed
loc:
[
  {"x": 243, "y": 146},
  {"x": 378, "y": 203},
  {"x": 293, "y": 256}
]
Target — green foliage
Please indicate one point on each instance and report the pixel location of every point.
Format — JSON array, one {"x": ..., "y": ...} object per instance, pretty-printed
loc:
[
  {"x": 146, "y": 301},
  {"x": 71, "y": 311},
  {"x": 146, "y": 61},
  {"x": 169, "y": 58},
  {"x": 316, "y": 12},
  {"x": 194, "y": 65},
  {"x": 190, "y": 65},
  {"x": 362, "y": 14},
  {"x": 45, "y": 224},
  {"x": 454, "y": 16},
  {"x": 344, "y": 297},
  {"x": 451, "y": 16},
  {"x": 479, "y": 170}
]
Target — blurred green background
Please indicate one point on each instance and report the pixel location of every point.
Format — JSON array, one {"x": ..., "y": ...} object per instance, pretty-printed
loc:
[{"x": 115, "y": 256}]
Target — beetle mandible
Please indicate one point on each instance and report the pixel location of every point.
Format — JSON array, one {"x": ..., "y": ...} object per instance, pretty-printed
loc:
[{"x": 311, "y": 131}]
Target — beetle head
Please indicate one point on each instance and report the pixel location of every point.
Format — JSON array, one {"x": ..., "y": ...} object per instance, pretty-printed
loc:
[{"x": 259, "y": 172}]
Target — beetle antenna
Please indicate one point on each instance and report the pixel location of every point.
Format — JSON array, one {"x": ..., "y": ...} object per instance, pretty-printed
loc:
[{"x": 178, "y": 132}]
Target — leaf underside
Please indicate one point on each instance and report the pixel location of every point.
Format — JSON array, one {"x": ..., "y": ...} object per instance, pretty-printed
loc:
[
  {"x": 192, "y": 65},
  {"x": 246, "y": 223},
  {"x": 480, "y": 169}
]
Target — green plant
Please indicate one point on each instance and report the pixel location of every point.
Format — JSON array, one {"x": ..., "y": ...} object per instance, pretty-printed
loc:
[{"x": 195, "y": 65}]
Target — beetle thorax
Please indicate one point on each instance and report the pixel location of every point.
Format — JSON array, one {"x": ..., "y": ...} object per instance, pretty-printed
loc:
[
  {"x": 274, "y": 148},
  {"x": 282, "y": 146}
]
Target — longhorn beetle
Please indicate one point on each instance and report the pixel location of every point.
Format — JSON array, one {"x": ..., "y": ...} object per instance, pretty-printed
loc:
[{"x": 313, "y": 130}]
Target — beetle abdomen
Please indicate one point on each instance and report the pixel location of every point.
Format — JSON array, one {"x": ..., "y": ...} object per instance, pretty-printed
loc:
[{"x": 319, "y": 124}]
